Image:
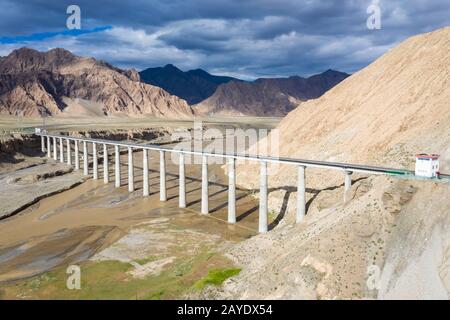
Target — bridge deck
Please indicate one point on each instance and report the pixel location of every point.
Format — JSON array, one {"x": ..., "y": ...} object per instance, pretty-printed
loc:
[{"x": 403, "y": 173}]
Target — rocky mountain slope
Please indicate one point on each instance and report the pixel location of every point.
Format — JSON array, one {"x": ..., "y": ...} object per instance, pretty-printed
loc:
[
  {"x": 268, "y": 97},
  {"x": 192, "y": 86},
  {"x": 34, "y": 83},
  {"x": 391, "y": 239}
]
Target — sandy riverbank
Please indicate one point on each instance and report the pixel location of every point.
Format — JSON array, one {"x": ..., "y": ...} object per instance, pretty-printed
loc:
[{"x": 96, "y": 225}]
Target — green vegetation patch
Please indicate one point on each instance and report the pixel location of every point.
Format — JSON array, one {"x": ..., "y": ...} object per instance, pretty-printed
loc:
[
  {"x": 216, "y": 277},
  {"x": 110, "y": 280}
]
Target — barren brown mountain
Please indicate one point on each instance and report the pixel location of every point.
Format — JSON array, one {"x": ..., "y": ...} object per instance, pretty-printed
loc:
[
  {"x": 267, "y": 97},
  {"x": 383, "y": 115},
  {"x": 57, "y": 82}
]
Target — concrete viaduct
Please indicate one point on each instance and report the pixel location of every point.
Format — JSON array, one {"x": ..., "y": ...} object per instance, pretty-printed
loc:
[{"x": 50, "y": 142}]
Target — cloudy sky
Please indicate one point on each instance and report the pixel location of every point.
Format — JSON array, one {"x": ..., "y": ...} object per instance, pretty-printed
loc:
[{"x": 247, "y": 39}]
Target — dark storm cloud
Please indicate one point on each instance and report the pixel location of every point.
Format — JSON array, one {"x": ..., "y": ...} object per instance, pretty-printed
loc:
[{"x": 243, "y": 38}]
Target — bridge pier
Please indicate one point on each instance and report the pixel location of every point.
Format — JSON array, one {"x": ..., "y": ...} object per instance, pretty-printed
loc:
[
  {"x": 347, "y": 183},
  {"x": 42, "y": 144},
  {"x": 301, "y": 209},
  {"x": 69, "y": 153},
  {"x": 117, "y": 166},
  {"x": 263, "y": 203},
  {"x": 130, "y": 170},
  {"x": 232, "y": 190},
  {"x": 94, "y": 161},
  {"x": 145, "y": 191},
  {"x": 105, "y": 164},
  {"x": 162, "y": 177},
  {"x": 49, "y": 150},
  {"x": 77, "y": 156},
  {"x": 61, "y": 150},
  {"x": 55, "y": 154},
  {"x": 205, "y": 195},
  {"x": 85, "y": 159},
  {"x": 182, "y": 184}
]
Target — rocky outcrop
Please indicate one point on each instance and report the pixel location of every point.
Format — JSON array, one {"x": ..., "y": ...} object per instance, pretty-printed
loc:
[
  {"x": 268, "y": 97},
  {"x": 37, "y": 83}
]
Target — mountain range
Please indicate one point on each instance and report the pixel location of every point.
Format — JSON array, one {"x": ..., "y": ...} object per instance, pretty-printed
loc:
[
  {"x": 193, "y": 85},
  {"x": 57, "y": 82},
  {"x": 268, "y": 97}
]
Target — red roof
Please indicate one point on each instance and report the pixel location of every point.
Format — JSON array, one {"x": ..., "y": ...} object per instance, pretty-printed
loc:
[{"x": 428, "y": 156}]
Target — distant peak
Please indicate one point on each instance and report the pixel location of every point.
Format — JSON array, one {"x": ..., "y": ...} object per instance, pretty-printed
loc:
[
  {"x": 331, "y": 71},
  {"x": 24, "y": 50},
  {"x": 197, "y": 71},
  {"x": 59, "y": 51},
  {"x": 171, "y": 66},
  {"x": 28, "y": 52}
]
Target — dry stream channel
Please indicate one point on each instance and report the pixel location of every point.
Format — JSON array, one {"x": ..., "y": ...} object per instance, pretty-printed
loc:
[{"x": 127, "y": 246}]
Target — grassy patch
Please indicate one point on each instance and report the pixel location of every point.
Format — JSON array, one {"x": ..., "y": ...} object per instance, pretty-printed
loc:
[
  {"x": 146, "y": 260},
  {"x": 272, "y": 215},
  {"x": 110, "y": 280},
  {"x": 216, "y": 277}
]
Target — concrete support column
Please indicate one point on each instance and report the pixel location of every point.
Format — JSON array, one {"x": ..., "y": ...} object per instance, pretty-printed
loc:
[
  {"x": 205, "y": 195},
  {"x": 95, "y": 161},
  {"x": 301, "y": 208},
  {"x": 105, "y": 164},
  {"x": 61, "y": 150},
  {"x": 232, "y": 190},
  {"x": 69, "y": 153},
  {"x": 162, "y": 177},
  {"x": 85, "y": 159},
  {"x": 117, "y": 166},
  {"x": 347, "y": 183},
  {"x": 42, "y": 144},
  {"x": 55, "y": 151},
  {"x": 49, "y": 149},
  {"x": 77, "y": 156},
  {"x": 130, "y": 170},
  {"x": 263, "y": 198},
  {"x": 145, "y": 191},
  {"x": 182, "y": 184}
]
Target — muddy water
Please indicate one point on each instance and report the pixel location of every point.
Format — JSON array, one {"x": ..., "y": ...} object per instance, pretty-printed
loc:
[{"x": 74, "y": 225}]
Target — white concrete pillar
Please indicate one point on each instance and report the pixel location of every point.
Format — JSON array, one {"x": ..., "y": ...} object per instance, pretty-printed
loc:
[
  {"x": 49, "y": 149},
  {"x": 301, "y": 208},
  {"x": 182, "y": 184},
  {"x": 105, "y": 164},
  {"x": 263, "y": 203},
  {"x": 42, "y": 144},
  {"x": 55, "y": 151},
  {"x": 130, "y": 170},
  {"x": 205, "y": 195},
  {"x": 77, "y": 156},
  {"x": 145, "y": 191},
  {"x": 232, "y": 190},
  {"x": 117, "y": 166},
  {"x": 69, "y": 153},
  {"x": 162, "y": 177},
  {"x": 347, "y": 183},
  {"x": 85, "y": 159},
  {"x": 94, "y": 161},
  {"x": 61, "y": 150}
]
